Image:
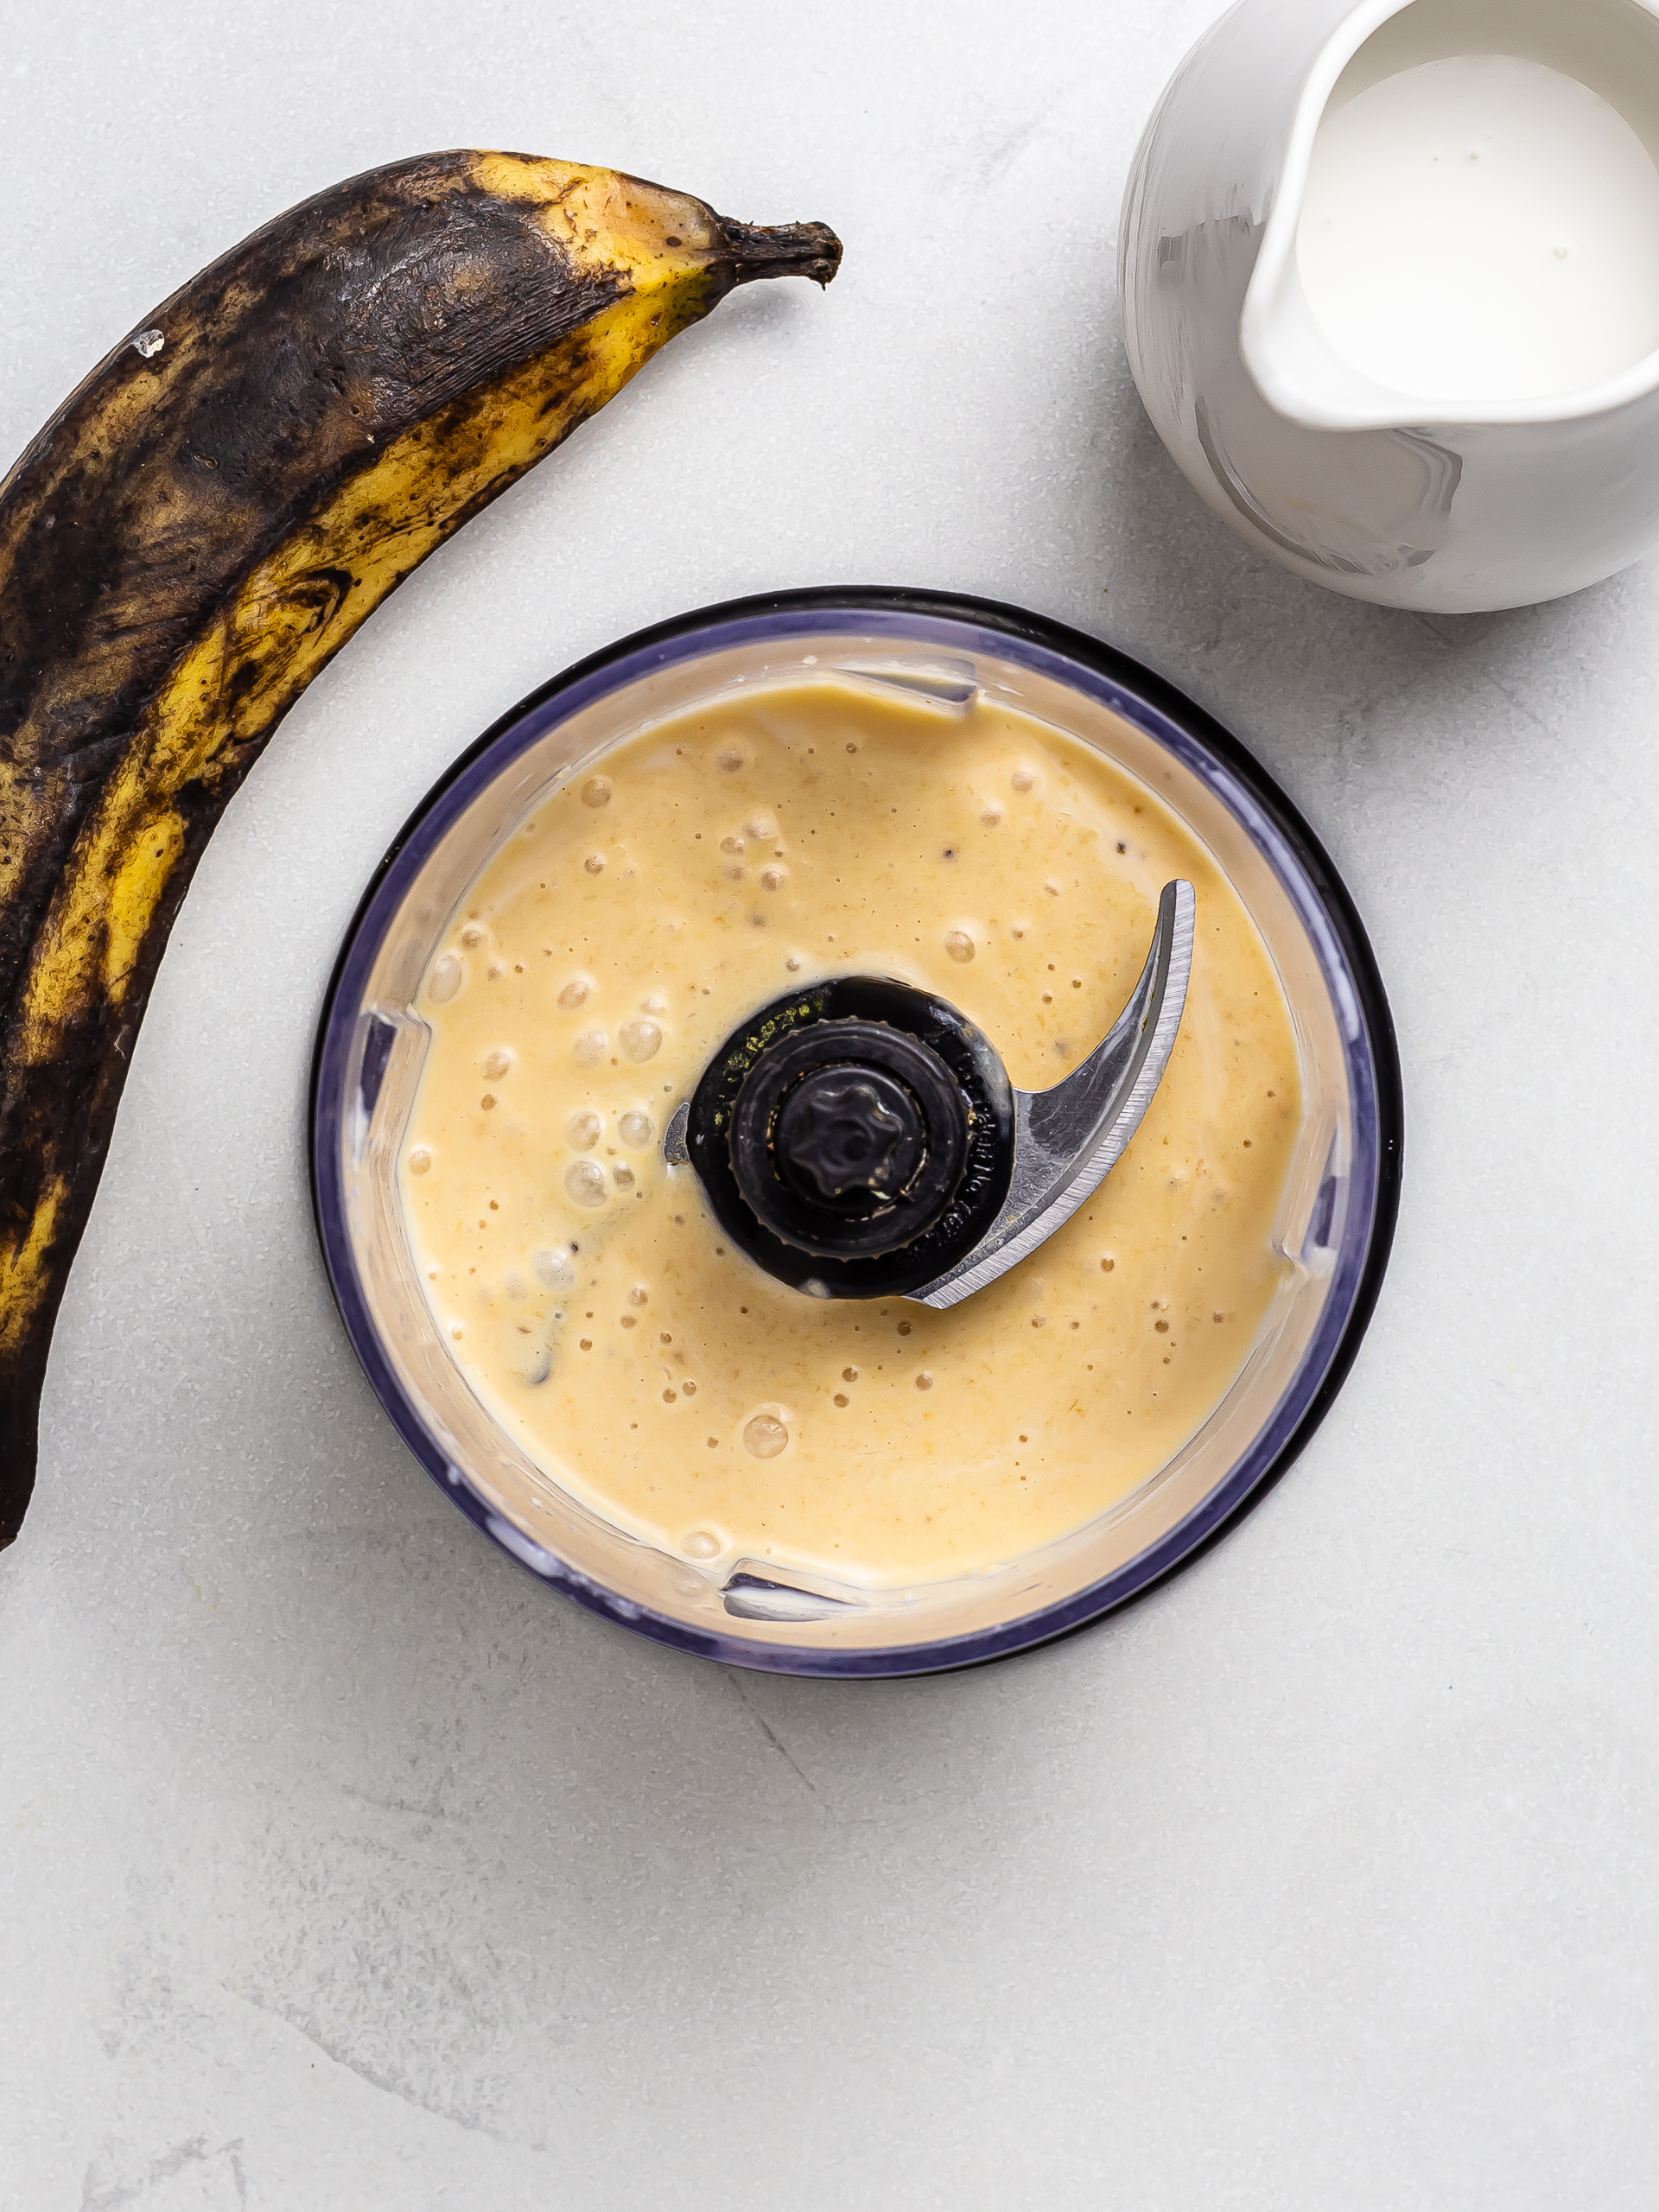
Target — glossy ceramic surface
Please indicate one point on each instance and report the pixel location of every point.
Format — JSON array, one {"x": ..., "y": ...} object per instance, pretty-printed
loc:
[{"x": 1346, "y": 483}]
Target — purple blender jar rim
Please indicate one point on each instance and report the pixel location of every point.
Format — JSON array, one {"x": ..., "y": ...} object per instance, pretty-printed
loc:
[{"x": 1212, "y": 754}]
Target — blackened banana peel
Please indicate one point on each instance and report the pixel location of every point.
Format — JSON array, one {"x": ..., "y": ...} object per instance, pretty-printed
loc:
[{"x": 199, "y": 530}]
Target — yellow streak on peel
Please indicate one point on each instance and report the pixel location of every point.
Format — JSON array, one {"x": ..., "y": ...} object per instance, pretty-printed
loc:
[
  {"x": 22, "y": 1266},
  {"x": 601, "y": 218},
  {"x": 135, "y": 894}
]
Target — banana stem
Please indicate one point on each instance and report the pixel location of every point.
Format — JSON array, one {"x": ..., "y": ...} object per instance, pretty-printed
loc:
[{"x": 784, "y": 250}]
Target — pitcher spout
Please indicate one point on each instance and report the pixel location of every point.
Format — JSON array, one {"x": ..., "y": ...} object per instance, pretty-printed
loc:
[{"x": 1466, "y": 226}]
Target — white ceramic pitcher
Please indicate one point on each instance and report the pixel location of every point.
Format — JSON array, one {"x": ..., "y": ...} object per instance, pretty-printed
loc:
[{"x": 1312, "y": 463}]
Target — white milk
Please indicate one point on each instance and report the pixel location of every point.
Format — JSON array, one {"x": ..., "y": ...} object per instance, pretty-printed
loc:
[{"x": 1482, "y": 229}]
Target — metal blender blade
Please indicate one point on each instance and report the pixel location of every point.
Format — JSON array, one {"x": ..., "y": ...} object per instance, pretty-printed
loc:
[{"x": 1068, "y": 1139}]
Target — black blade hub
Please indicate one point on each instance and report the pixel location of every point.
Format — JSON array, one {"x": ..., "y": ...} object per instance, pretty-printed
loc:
[{"x": 856, "y": 1138}]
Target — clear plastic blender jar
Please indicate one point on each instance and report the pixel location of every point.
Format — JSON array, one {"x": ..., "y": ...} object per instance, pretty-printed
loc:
[{"x": 1335, "y": 1221}]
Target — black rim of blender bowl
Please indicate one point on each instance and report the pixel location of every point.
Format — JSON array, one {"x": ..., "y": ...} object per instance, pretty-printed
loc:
[{"x": 1205, "y": 747}]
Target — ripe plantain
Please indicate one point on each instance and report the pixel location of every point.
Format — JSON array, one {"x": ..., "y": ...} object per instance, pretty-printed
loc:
[{"x": 200, "y": 528}]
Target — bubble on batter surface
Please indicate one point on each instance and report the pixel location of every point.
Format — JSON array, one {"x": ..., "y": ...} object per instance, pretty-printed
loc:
[
  {"x": 728, "y": 760},
  {"x": 576, "y": 992},
  {"x": 497, "y": 1063},
  {"x": 540, "y": 1367},
  {"x": 590, "y": 1048},
  {"x": 448, "y": 974},
  {"x": 584, "y": 1181},
  {"x": 700, "y": 1544},
  {"x": 583, "y": 1129},
  {"x": 761, "y": 827},
  {"x": 473, "y": 935},
  {"x": 635, "y": 1129},
  {"x": 420, "y": 1160},
  {"x": 622, "y": 1176},
  {"x": 641, "y": 1039},
  {"x": 594, "y": 863},
  {"x": 1024, "y": 779},
  {"x": 775, "y": 875},
  {"x": 765, "y": 1435},
  {"x": 959, "y": 944},
  {"x": 991, "y": 815},
  {"x": 555, "y": 1268},
  {"x": 596, "y": 791},
  {"x": 731, "y": 844}
]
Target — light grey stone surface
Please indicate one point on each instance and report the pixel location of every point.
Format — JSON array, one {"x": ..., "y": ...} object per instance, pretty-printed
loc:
[{"x": 340, "y": 1864}]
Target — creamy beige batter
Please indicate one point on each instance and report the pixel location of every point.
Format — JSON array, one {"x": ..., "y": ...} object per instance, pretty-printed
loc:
[{"x": 616, "y": 940}]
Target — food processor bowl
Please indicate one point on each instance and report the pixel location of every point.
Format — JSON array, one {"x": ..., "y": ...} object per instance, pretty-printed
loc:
[{"x": 1335, "y": 1221}]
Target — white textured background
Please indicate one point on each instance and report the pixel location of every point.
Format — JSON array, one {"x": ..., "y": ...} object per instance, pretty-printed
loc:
[{"x": 343, "y": 1867}]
